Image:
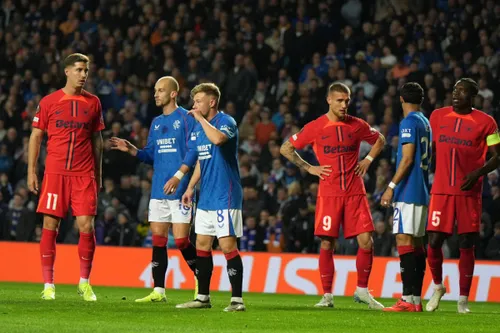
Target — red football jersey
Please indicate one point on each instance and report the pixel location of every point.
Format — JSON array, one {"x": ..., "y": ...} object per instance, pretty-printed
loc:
[
  {"x": 337, "y": 144},
  {"x": 460, "y": 144},
  {"x": 69, "y": 121}
]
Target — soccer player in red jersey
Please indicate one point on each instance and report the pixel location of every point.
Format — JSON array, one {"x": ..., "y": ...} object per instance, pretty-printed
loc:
[
  {"x": 335, "y": 138},
  {"x": 462, "y": 136},
  {"x": 72, "y": 119}
]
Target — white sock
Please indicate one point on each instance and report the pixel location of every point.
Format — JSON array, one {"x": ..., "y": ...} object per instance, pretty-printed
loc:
[
  {"x": 82, "y": 280},
  {"x": 160, "y": 290},
  {"x": 417, "y": 300},
  {"x": 328, "y": 295},
  {"x": 237, "y": 299},
  {"x": 362, "y": 290},
  {"x": 48, "y": 285},
  {"x": 439, "y": 286},
  {"x": 203, "y": 298},
  {"x": 407, "y": 298},
  {"x": 463, "y": 299}
]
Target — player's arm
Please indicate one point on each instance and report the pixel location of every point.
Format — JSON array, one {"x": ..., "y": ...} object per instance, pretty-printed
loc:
[
  {"x": 493, "y": 142},
  {"x": 98, "y": 146},
  {"x": 377, "y": 140},
  {"x": 216, "y": 136},
  {"x": 35, "y": 142},
  {"x": 404, "y": 167},
  {"x": 145, "y": 155},
  {"x": 187, "y": 198},
  {"x": 298, "y": 141}
]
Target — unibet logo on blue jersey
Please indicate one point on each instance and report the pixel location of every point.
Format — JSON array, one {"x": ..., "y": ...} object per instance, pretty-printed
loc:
[
  {"x": 414, "y": 188},
  {"x": 220, "y": 174},
  {"x": 166, "y": 149}
]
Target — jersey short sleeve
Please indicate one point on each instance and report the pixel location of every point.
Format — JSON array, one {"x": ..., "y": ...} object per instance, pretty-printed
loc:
[
  {"x": 407, "y": 131},
  {"x": 98, "y": 124},
  {"x": 41, "y": 118},
  {"x": 227, "y": 126},
  {"x": 368, "y": 133},
  {"x": 491, "y": 133},
  {"x": 305, "y": 136}
]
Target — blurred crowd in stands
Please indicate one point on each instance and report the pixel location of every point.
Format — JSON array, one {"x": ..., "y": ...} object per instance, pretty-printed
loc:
[{"x": 273, "y": 60}]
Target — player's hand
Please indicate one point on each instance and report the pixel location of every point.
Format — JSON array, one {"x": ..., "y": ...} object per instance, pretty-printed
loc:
[
  {"x": 196, "y": 113},
  {"x": 121, "y": 144},
  {"x": 187, "y": 197},
  {"x": 362, "y": 167},
  {"x": 386, "y": 199},
  {"x": 33, "y": 182},
  {"x": 320, "y": 170},
  {"x": 171, "y": 185},
  {"x": 469, "y": 181}
]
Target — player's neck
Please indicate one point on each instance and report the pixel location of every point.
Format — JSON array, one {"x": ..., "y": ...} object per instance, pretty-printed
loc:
[
  {"x": 407, "y": 111},
  {"x": 333, "y": 117},
  {"x": 69, "y": 90},
  {"x": 464, "y": 110},
  {"x": 170, "y": 108},
  {"x": 212, "y": 114}
]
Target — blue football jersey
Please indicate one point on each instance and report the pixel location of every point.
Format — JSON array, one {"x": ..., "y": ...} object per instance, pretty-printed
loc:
[
  {"x": 166, "y": 150},
  {"x": 414, "y": 188},
  {"x": 220, "y": 174}
]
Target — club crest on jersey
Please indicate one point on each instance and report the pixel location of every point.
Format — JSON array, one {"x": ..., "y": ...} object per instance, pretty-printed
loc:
[{"x": 177, "y": 124}]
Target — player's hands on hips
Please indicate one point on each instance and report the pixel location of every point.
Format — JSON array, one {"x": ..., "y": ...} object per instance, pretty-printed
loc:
[
  {"x": 362, "y": 167},
  {"x": 196, "y": 113},
  {"x": 386, "y": 200},
  {"x": 171, "y": 185},
  {"x": 33, "y": 182},
  {"x": 320, "y": 170},
  {"x": 469, "y": 181},
  {"x": 187, "y": 197},
  {"x": 121, "y": 144}
]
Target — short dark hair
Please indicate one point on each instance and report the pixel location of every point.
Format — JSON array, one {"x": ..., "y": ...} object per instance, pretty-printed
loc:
[
  {"x": 412, "y": 93},
  {"x": 72, "y": 59},
  {"x": 339, "y": 87},
  {"x": 470, "y": 85}
]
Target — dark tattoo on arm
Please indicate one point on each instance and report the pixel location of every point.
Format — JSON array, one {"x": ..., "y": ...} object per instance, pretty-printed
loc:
[{"x": 288, "y": 150}]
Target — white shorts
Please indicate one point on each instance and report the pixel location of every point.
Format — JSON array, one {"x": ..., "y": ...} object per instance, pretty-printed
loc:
[
  {"x": 220, "y": 223},
  {"x": 409, "y": 219},
  {"x": 169, "y": 211}
]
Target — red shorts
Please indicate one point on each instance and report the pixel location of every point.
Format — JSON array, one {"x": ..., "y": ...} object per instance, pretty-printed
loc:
[
  {"x": 352, "y": 212},
  {"x": 445, "y": 209},
  {"x": 59, "y": 192}
]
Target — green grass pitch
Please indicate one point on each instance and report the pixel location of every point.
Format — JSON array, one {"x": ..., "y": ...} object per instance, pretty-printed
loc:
[{"x": 21, "y": 310}]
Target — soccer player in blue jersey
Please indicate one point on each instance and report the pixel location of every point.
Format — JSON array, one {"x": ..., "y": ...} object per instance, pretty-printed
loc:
[
  {"x": 166, "y": 150},
  {"x": 410, "y": 190},
  {"x": 218, "y": 212}
]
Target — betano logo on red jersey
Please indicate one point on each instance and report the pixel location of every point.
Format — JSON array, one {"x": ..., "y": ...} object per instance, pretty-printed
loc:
[
  {"x": 72, "y": 124},
  {"x": 339, "y": 149},
  {"x": 455, "y": 141}
]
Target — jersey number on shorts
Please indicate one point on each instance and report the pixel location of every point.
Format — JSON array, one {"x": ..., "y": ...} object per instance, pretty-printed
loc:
[
  {"x": 51, "y": 200},
  {"x": 436, "y": 218},
  {"x": 424, "y": 164},
  {"x": 220, "y": 218},
  {"x": 327, "y": 223}
]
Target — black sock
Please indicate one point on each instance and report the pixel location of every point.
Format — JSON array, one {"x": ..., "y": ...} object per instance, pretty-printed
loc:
[
  {"x": 204, "y": 268},
  {"x": 407, "y": 262},
  {"x": 189, "y": 254},
  {"x": 159, "y": 265},
  {"x": 235, "y": 272},
  {"x": 419, "y": 273}
]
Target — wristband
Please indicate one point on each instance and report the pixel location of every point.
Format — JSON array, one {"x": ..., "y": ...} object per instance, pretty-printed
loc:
[
  {"x": 392, "y": 185},
  {"x": 369, "y": 158},
  {"x": 179, "y": 174}
]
